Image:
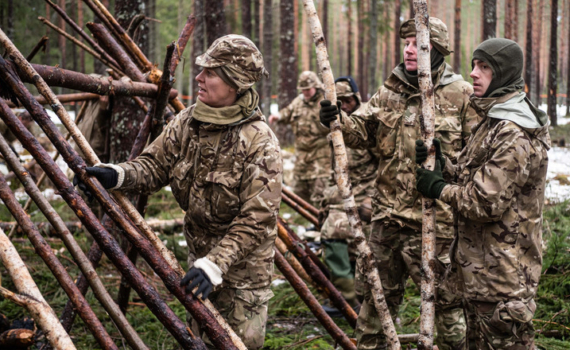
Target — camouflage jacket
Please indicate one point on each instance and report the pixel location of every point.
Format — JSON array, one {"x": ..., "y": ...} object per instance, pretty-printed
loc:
[
  {"x": 312, "y": 150},
  {"x": 389, "y": 124},
  {"x": 228, "y": 180},
  {"x": 498, "y": 196},
  {"x": 362, "y": 167}
]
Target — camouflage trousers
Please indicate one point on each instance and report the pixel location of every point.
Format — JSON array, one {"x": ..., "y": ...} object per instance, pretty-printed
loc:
[
  {"x": 245, "y": 310},
  {"x": 398, "y": 256},
  {"x": 493, "y": 326},
  {"x": 311, "y": 190}
]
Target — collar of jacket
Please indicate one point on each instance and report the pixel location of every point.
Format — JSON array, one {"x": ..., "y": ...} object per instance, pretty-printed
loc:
[
  {"x": 245, "y": 108},
  {"x": 398, "y": 83},
  {"x": 317, "y": 97}
]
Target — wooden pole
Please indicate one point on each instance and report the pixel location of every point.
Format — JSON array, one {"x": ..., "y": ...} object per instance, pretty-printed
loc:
[
  {"x": 304, "y": 204},
  {"x": 44, "y": 250},
  {"x": 33, "y": 301},
  {"x": 365, "y": 257},
  {"x": 67, "y": 98},
  {"x": 304, "y": 213},
  {"x": 427, "y": 308},
  {"x": 83, "y": 262},
  {"x": 295, "y": 264},
  {"x": 301, "y": 288},
  {"x": 313, "y": 270},
  {"x": 80, "y": 44},
  {"x": 41, "y": 44}
]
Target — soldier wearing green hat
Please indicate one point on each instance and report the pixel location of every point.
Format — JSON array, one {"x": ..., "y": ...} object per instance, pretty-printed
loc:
[
  {"x": 224, "y": 166},
  {"x": 390, "y": 125}
]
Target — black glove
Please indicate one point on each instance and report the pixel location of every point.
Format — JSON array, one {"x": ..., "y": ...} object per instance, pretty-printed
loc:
[
  {"x": 198, "y": 278},
  {"x": 430, "y": 183},
  {"x": 422, "y": 152},
  {"x": 329, "y": 112},
  {"x": 107, "y": 177}
]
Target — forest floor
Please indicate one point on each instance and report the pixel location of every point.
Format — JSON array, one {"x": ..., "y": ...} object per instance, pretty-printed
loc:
[{"x": 290, "y": 324}]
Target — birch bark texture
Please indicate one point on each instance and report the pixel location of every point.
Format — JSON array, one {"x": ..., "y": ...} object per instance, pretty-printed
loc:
[
  {"x": 427, "y": 120},
  {"x": 34, "y": 302},
  {"x": 365, "y": 257}
]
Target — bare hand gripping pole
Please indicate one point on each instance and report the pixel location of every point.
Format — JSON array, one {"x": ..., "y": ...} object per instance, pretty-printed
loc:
[{"x": 365, "y": 257}]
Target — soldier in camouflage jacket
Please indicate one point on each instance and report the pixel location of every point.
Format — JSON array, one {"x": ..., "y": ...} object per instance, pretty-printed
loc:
[
  {"x": 313, "y": 154},
  {"x": 497, "y": 190},
  {"x": 224, "y": 166},
  {"x": 389, "y": 124}
]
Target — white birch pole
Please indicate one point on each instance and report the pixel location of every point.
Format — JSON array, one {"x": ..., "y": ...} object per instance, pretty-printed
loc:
[
  {"x": 31, "y": 297},
  {"x": 427, "y": 120},
  {"x": 365, "y": 257},
  {"x": 92, "y": 159}
]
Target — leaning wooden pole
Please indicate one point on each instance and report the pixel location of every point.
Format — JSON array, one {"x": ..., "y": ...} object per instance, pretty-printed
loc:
[
  {"x": 299, "y": 209},
  {"x": 365, "y": 257},
  {"x": 309, "y": 299},
  {"x": 80, "y": 258},
  {"x": 301, "y": 202},
  {"x": 330, "y": 290},
  {"x": 35, "y": 303},
  {"x": 292, "y": 260},
  {"x": 427, "y": 309},
  {"x": 44, "y": 250},
  {"x": 67, "y": 98},
  {"x": 41, "y": 44}
]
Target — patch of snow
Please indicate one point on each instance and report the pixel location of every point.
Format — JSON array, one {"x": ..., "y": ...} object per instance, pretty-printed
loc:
[
  {"x": 168, "y": 188},
  {"x": 277, "y": 282},
  {"x": 286, "y": 216},
  {"x": 274, "y": 108},
  {"x": 183, "y": 243},
  {"x": 558, "y": 164},
  {"x": 560, "y": 112}
]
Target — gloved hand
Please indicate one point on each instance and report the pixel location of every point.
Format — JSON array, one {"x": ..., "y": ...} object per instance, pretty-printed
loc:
[
  {"x": 199, "y": 278},
  {"x": 422, "y": 152},
  {"x": 107, "y": 177},
  {"x": 430, "y": 183},
  {"x": 328, "y": 112}
]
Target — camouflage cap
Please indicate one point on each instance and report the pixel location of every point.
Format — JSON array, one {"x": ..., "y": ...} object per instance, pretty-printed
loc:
[
  {"x": 308, "y": 80},
  {"x": 238, "y": 57},
  {"x": 438, "y": 34},
  {"x": 343, "y": 89}
]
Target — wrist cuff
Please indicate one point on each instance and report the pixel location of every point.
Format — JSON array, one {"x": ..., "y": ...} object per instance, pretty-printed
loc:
[
  {"x": 120, "y": 173},
  {"x": 211, "y": 269}
]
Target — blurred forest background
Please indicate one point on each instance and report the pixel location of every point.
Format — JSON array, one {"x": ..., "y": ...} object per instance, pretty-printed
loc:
[{"x": 362, "y": 37}]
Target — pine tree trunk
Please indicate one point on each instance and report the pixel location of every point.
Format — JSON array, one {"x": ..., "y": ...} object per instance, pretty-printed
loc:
[
  {"x": 489, "y": 19},
  {"x": 537, "y": 35},
  {"x": 397, "y": 50},
  {"x": 372, "y": 53},
  {"x": 181, "y": 23},
  {"x": 361, "y": 78},
  {"x": 98, "y": 67},
  {"x": 61, "y": 39},
  {"x": 197, "y": 46},
  {"x": 288, "y": 69},
  {"x": 515, "y": 19},
  {"x": 80, "y": 24},
  {"x": 552, "y": 71},
  {"x": 255, "y": 16},
  {"x": 568, "y": 67},
  {"x": 529, "y": 56},
  {"x": 457, "y": 38},
  {"x": 349, "y": 39},
  {"x": 267, "y": 54},
  {"x": 10, "y": 15},
  {"x": 215, "y": 19},
  {"x": 245, "y": 6},
  {"x": 508, "y": 20}
]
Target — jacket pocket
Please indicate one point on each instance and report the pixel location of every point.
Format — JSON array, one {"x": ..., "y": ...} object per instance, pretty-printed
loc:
[
  {"x": 255, "y": 297},
  {"x": 449, "y": 132},
  {"x": 224, "y": 194},
  {"x": 387, "y": 133}
]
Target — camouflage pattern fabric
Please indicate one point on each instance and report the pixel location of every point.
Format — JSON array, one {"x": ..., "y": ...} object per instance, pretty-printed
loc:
[
  {"x": 438, "y": 35},
  {"x": 228, "y": 180},
  {"x": 389, "y": 125},
  {"x": 245, "y": 310},
  {"x": 238, "y": 57},
  {"x": 343, "y": 89},
  {"x": 504, "y": 326},
  {"x": 311, "y": 190},
  {"x": 94, "y": 125},
  {"x": 498, "y": 195},
  {"x": 398, "y": 255},
  {"x": 308, "y": 80},
  {"x": 312, "y": 150}
]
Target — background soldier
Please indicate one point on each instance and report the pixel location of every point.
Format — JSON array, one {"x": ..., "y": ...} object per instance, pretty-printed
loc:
[
  {"x": 390, "y": 124},
  {"x": 498, "y": 194},
  {"x": 224, "y": 165},
  {"x": 339, "y": 253},
  {"x": 312, "y": 152}
]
